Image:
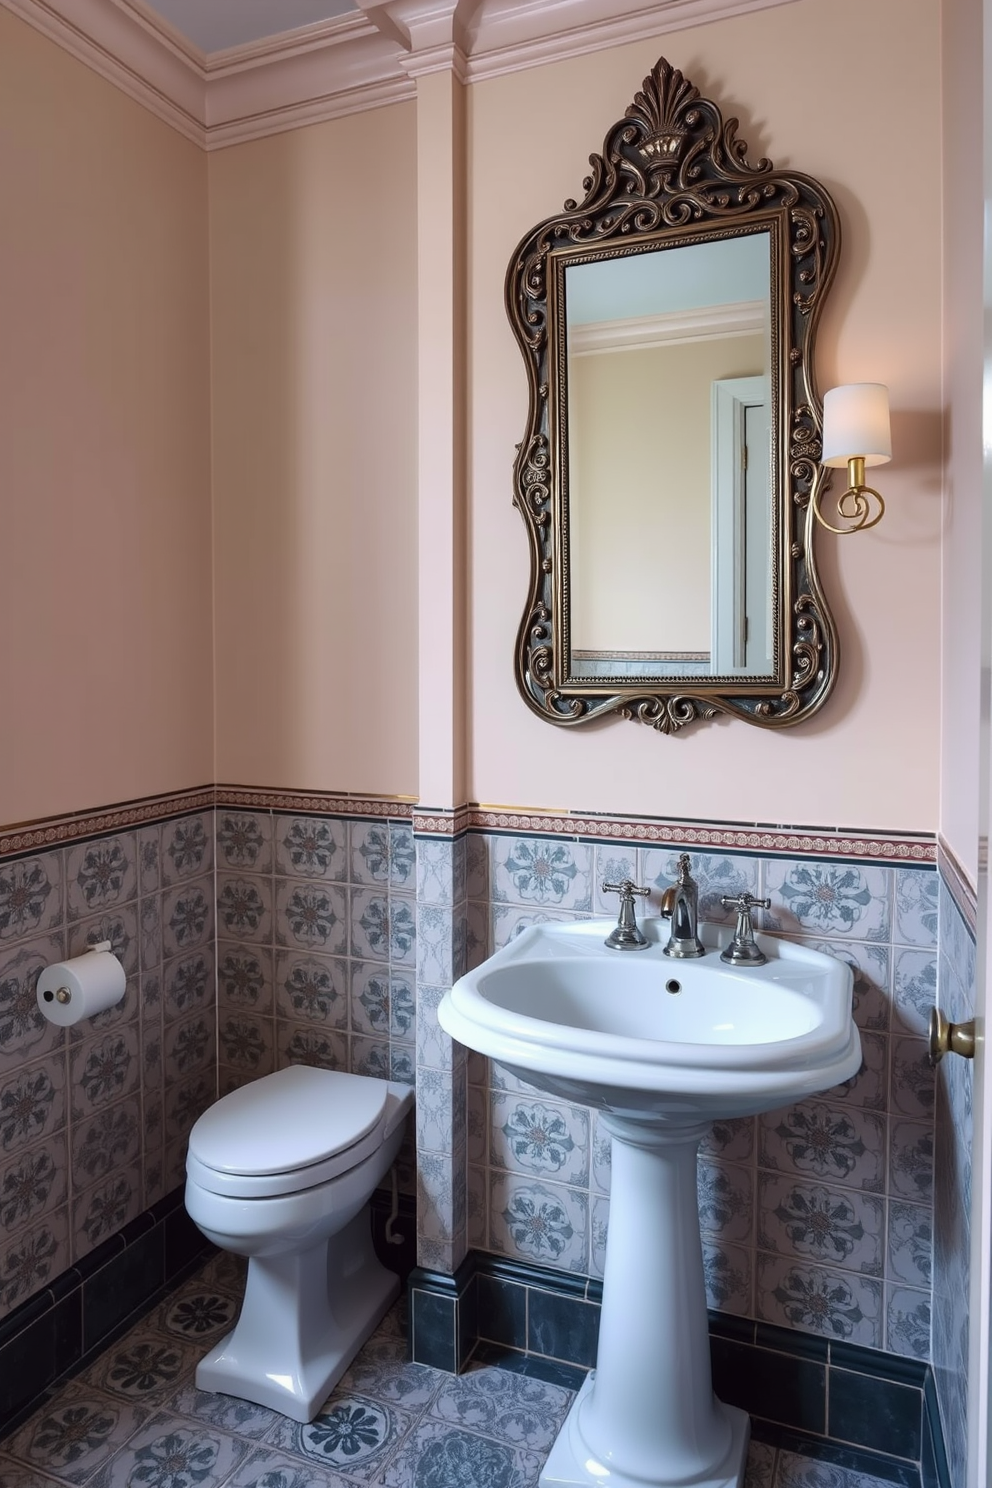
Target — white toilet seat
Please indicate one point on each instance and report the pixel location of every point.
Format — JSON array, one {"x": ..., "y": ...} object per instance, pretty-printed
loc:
[{"x": 289, "y": 1131}]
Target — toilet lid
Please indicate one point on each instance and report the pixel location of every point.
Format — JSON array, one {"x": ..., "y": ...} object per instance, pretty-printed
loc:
[{"x": 286, "y": 1121}]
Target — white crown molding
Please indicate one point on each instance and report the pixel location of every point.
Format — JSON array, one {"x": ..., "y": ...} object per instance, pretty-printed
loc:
[
  {"x": 342, "y": 66},
  {"x": 671, "y": 328}
]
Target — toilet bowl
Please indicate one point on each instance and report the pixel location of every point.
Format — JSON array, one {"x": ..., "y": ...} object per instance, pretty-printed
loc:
[{"x": 281, "y": 1171}]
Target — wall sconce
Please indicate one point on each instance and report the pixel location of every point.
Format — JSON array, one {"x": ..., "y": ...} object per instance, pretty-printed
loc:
[{"x": 855, "y": 434}]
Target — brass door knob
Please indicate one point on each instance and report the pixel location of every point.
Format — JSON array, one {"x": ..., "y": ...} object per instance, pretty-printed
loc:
[{"x": 950, "y": 1038}]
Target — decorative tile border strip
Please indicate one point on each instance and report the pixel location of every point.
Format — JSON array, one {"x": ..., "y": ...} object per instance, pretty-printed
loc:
[
  {"x": 958, "y": 887},
  {"x": 441, "y": 823},
  {"x": 901, "y": 847},
  {"x": 324, "y": 803},
  {"x": 59, "y": 831}
]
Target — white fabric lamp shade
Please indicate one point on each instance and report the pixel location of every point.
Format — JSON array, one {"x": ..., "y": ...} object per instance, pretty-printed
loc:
[{"x": 856, "y": 423}]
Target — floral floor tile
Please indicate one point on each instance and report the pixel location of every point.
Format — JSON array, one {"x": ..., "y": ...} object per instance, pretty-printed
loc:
[
  {"x": 143, "y": 1367},
  {"x": 438, "y": 1456},
  {"x": 801, "y": 1472},
  {"x": 202, "y": 1314},
  {"x": 266, "y": 1468},
  {"x": 383, "y": 1372},
  {"x": 15, "y": 1475},
  {"x": 352, "y": 1434},
  {"x": 760, "y": 1465},
  {"x": 519, "y": 1411},
  {"x": 169, "y": 1452},
  {"x": 77, "y": 1431},
  {"x": 241, "y": 1417}
]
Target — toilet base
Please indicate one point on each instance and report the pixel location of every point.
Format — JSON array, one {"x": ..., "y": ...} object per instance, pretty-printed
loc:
[{"x": 303, "y": 1320}]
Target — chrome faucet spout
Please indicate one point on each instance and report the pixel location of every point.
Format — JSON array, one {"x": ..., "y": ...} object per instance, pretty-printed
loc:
[{"x": 681, "y": 903}]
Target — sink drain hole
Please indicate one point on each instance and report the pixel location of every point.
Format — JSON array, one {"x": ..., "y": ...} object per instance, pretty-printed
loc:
[{"x": 673, "y": 986}]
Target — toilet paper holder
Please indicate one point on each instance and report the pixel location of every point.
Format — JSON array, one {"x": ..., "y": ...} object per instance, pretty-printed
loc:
[{"x": 64, "y": 994}]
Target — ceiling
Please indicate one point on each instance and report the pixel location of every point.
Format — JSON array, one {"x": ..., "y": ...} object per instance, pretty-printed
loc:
[{"x": 214, "y": 25}]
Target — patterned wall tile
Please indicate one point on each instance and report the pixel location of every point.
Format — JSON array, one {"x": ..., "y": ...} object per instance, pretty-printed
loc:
[
  {"x": 99, "y": 1212},
  {"x": 727, "y": 1272},
  {"x": 103, "y": 1070},
  {"x": 149, "y": 851},
  {"x": 369, "y": 852},
  {"x": 244, "y": 908},
  {"x": 312, "y": 989},
  {"x": 907, "y": 1322},
  {"x": 725, "y": 1196},
  {"x": 31, "y": 896},
  {"x": 540, "y": 1137},
  {"x": 187, "y": 916},
  {"x": 24, "y": 1033},
  {"x": 32, "y": 1104},
  {"x": 543, "y": 872},
  {"x": 540, "y": 1222},
  {"x": 836, "y": 1304},
  {"x": 828, "y": 899},
  {"x": 109, "y": 1140},
  {"x": 308, "y": 847},
  {"x": 101, "y": 875},
  {"x": 832, "y": 1226},
  {"x": 187, "y": 983},
  {"x": 33, "y": 1182},
  {"x": 246, "y": 1043},
  {"x": 187, "y": 849},
  {"x": 119, "y": 926},
  {"x": 916, "y": 907},
  {"x": 33, "y": 1256},
  {"x": 716, "y": 876},
  {"x": 244, "y": 842},
  {"x": 834, "y": 1144},
  {"x": 612, "y": 864},
  {"x": 245, "y": 977}
]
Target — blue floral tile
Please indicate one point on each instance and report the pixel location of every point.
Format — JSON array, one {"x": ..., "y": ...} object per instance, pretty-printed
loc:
[
  {"x": 912, "y": 1089},
  {"x": 33, "y": 1182},
  {"x": 76, "y": 1434},
  {"x": 312, "y": 916},
  {"x": 150, "y": 932},
  {"x": 30, "y": 896},
  {"x": 916, "y": 907},
  {"x": 541, "y": 1138},
  {"x": 435, "y": 1122},
  {"x": 149, "y": 855},
  {"x": 312, "y": 989},
  {"x": 351, "y": 1434},
  {"x": 477, "y": 1125},
  {"x": 841, "y": 1145},
  {"x": 143, "y": 1367},
  {"x": 187, "y": 983},
  {"x": 265, "y": 1468},
  {"x": 479, "y": 857},
  {"x": 187, "y": 917},
  {"x": 198, "y": 1314},
  {"x": 402, "y": 1064},
  {"x": 382, "y": 1371},
  {"x": 543, "y": 872},
  {"x": 244, "y": 977},
  {"x": 509, "y": 1407},
  {"x": 403, "y": 931},
  {"x": 246, "y": 1043},
  {"x": 870, "y": 1086},
  {"x": 435, "y": 943},
  {"x": 725, "y": 1196},
  {"x": 370, "y": 1057},
  {"x": 837, "y": 1304},
  {"x": 540, "y": 1222},
  {"x": 244, "y": 908},
  {"x": 436, "y": 1455},
  {"x": 731, "y": 1141},
  {"x": 184, "y": 1102},
  {"x": 104, "y": 1069},
  {"x": 170, "y": 1453},
  {"x": 832, "y": 1226},
  {"x": 434, "y": 1047},
  {"x": 24, "y": 1033},
  {"x": 187, "y": 848},
  {"x": 911, "y": 1160},
  {"x": 727, "y": 1273},
  {"x": 242, "y": 1417},
  {"x": 369, "y": 998},
  {"x": 101, "y": 875},
  {"x": 109, "y": 1140},
  {"x": 829, "y": 899},
  {"x": 435, "y": 870},
  {"x": 477, "y": 1207},
  {"x": 907, "y": 1322},
  {"x": 717, "y": 875},
  {"x": 612, "y": 864},
  {"x": 760, "y": 1465},
  {"x": 915, "y": 990},
  {"x": 298, "y": 1043},
  {"x": 311, "y": 847},
  {"x": 119, "y": 926},
  {"x": 33, "y": 1258},
  {"x": 402, "y": 1007},
  {"x": 370, "y": 924},
  {"x": 101, "y": 1211},
  {"x": 369, "y": 852},
  {"x": 601, "y": 1155},
  {"x": 189, "y": 1046},
  {"x": 910, "y": 1244},
  {"x": 32, "y": 1104},
  {"x": 244, "y": 841},
  {"x": 402, "y": 859},
  {"x": 599, "y": 1228},
  {"x": 509, "y": 921}
]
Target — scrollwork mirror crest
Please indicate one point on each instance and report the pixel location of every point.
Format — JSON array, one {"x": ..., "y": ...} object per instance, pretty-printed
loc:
[{"x": 660, "y": 260}]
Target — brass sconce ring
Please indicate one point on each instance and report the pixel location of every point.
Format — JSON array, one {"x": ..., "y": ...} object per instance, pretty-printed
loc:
[{"x": 854, "y": 506}]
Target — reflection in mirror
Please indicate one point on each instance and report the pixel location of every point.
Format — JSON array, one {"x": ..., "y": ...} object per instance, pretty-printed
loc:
[
  {"x": 668, "y": 471},
  {"x": 671, "y": 458}
]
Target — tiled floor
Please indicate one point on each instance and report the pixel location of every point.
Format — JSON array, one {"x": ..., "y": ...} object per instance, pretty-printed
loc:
[{"x": 134, "y": 1419}]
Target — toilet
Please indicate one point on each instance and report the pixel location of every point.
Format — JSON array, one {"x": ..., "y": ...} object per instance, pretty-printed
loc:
[{"x": 281, "y": 1171}]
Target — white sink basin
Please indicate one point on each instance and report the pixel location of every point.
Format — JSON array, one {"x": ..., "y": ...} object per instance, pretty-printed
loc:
[
  {"x": 664, "y": 1047},
  {"x": 640, "y": 1033}
]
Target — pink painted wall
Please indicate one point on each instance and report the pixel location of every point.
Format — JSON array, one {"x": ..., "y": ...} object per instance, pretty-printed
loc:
[
  {"x": 793, "y": 74},
  {"x": 105, "y": 665},
  {"x": 313, "y": 333},
  {"x": 961, "y": 616}
]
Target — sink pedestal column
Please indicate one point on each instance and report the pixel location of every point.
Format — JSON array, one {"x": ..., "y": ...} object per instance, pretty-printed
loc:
[{"x": 647, "y": 1416}]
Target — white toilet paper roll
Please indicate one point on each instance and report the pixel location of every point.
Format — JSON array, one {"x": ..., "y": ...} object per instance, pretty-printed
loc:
[{"x": 71, "y": 990}]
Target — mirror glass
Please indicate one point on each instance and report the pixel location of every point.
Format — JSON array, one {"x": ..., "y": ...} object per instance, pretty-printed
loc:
[
  {"x": 668, "y": 451},
  {"x": 671, "y": 455}
]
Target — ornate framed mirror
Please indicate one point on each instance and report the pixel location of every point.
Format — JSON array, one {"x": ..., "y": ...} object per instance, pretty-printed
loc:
[{"x": 667, "y": 324}]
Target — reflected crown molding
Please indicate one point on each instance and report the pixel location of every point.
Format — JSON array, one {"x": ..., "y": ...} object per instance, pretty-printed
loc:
[{"x": 342, "y": 66}]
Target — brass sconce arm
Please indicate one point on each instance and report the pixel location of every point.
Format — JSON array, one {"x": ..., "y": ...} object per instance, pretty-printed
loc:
[{"x": 949, "y": 1038}]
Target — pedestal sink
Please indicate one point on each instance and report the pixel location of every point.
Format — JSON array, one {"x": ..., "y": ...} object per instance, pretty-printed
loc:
[{"x": 664, "y": 1048}]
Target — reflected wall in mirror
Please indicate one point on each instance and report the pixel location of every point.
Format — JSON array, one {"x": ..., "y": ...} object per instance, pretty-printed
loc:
[{"x": 667, "y": 325}]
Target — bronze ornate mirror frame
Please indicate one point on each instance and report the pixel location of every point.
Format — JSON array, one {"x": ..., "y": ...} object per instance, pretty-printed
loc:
[{"x": 673, "y": 172}]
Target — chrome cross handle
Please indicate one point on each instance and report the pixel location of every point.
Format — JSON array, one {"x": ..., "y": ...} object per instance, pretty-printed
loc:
[
  {"x": 626, "y": 936},
  {"x": 742, "y": 950}
]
